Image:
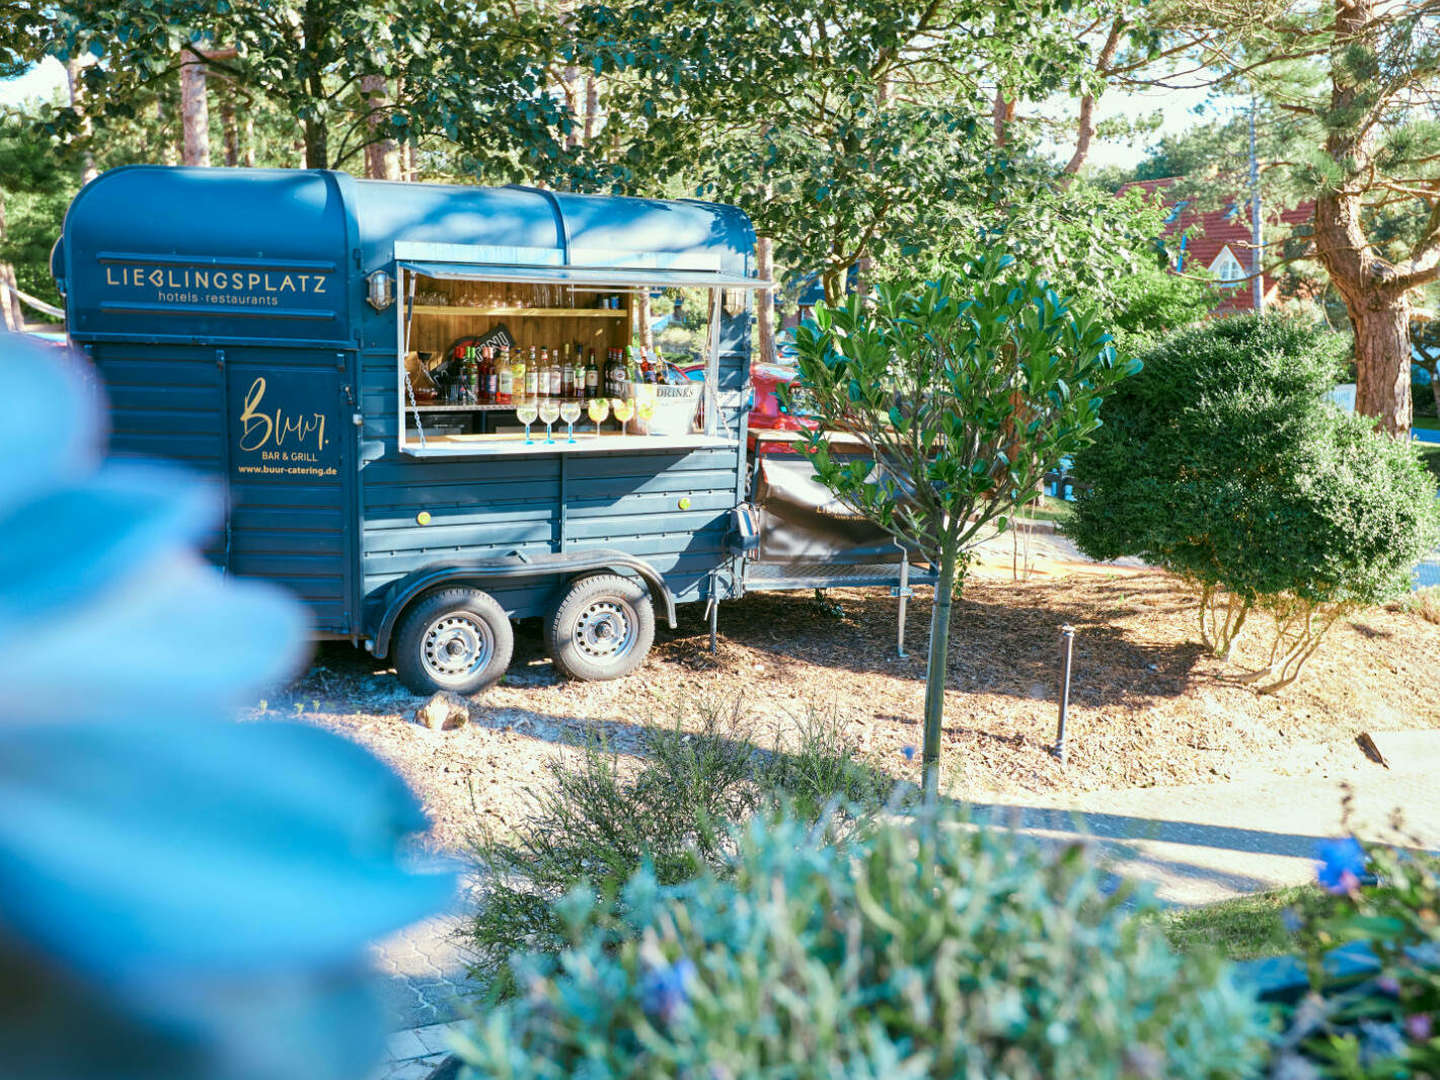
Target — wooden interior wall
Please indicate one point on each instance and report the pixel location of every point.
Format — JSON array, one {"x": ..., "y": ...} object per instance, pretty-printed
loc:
[{"x": 436, "y": 327}]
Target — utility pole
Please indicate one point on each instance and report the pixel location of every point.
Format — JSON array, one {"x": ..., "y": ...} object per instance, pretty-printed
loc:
[{"x": 1257, "y": 280}]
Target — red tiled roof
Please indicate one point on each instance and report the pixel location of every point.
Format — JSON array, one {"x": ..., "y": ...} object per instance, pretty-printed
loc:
[{"x": 1208, "y": 232}]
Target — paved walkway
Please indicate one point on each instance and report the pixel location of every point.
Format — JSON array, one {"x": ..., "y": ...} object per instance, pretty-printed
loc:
[{"x": 1201, "y": 843}]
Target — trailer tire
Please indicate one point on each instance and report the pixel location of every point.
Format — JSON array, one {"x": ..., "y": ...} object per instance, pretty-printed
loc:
[
  {"x": 455, "y": 639},
  {"x": 602, "y": 629}
]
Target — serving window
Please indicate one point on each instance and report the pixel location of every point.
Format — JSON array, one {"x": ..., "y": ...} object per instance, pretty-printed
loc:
[{"x": 480, "y": 358}]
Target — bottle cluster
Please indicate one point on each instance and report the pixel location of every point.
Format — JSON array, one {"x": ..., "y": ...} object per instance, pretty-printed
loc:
[{"x": 505, "y": 376}]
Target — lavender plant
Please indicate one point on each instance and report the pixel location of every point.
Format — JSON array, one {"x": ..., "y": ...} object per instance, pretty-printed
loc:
[{"x": 980, "y": 956}]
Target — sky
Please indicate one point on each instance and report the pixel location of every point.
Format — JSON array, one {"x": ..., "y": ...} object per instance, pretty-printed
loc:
[{"x": 1175, "y": 106}]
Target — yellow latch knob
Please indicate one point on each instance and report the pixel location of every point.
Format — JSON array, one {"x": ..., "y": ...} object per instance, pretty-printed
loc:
[
  {"x": 423, "y": 517},
  {"x": 685, "y": 503}
]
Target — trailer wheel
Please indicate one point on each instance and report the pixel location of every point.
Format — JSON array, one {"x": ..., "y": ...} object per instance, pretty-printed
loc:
[
  {"x": 602, "y": 629},
  {"x": 455, "y": 639}
]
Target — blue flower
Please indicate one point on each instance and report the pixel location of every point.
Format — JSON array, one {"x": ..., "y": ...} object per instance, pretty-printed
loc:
[
  {"x": 1341, "y": 864},
  {"x": 665, "y": 990},
  {"x": 200, "y": 892},
  {"x": 909, "y": 752}
]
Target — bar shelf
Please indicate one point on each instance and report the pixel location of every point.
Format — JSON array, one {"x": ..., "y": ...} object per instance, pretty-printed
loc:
[{"x": 522, "y": 312}]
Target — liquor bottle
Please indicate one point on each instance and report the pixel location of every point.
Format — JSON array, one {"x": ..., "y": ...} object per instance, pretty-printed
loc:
[
  {"x": 517, "y": 377},
  {"x": 647, "y": 369},
  {"x": 532, "y": 375},
  {"x": 468, "y": 375},
  {"x": 482, "y": 367},
  {"x": 557, "y": 375},
  {"x": 592, "y": 378},
  {"x": 505, "y": 379},
  {"x": 567, "y": 374},
  {"x": 492, "y": 379}
]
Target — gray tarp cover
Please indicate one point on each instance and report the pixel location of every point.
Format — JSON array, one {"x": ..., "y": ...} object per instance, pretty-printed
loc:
[{"x": 801, "y": 521}]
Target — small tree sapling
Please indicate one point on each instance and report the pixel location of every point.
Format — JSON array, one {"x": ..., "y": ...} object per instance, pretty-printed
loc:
[{"x": 964, "y": 392}]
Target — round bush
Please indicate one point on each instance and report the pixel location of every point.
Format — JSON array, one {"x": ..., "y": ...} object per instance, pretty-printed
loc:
[
  {"x": 1224, "y": 462},
  {"x": 972, "y": 954}
]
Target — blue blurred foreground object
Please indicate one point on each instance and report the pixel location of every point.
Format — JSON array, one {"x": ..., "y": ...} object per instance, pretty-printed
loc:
[
  {"x": 1341, "y": 864},
  {"x": 181, "y": 896}
]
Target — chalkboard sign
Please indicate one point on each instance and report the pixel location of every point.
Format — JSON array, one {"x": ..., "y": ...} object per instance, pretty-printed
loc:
[{"x": 498, "y": 338}]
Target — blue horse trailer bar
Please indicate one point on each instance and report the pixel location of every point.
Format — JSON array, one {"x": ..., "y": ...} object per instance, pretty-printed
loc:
[{"x": 261, "y": 326}]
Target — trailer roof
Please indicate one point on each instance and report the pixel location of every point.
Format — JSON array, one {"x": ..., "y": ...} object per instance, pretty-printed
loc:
[{"x": 148, "y": 241}]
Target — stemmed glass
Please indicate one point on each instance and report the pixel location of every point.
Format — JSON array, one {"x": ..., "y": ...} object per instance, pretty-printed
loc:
[
  {"x": 526, "y": 412},
  {"x": 570, "y": 412},
  {"x": 549, "y": 412},
  {"x": 599, "y": 409},
  {"x": 623, "y": 409},
  {"x": 645, "y": 409}
]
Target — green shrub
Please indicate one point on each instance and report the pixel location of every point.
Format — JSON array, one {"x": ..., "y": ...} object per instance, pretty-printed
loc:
[
  {"x": 980, "y": 956},
  {"x": 600, "y": 821},
  {"x": 1223, "y": 462}
]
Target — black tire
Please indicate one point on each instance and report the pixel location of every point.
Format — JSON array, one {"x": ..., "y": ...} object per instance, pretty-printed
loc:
[
  {"x": 454, "y": 639},
  {"x": 602, "y": 629}
]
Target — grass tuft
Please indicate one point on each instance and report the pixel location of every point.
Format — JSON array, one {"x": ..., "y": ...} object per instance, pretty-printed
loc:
[{"x": 1246, "y": 928}]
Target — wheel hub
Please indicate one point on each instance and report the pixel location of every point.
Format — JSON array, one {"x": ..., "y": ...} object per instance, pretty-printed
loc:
[
  {"x": 605, "y": 630},
  {"x": 456, "y": 645}
]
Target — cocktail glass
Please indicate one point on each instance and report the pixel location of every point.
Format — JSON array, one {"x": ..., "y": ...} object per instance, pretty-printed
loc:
[
  {"x": 623, "y": 408},
  {"x": 570, "y": 412},
  {"x": 645, "y": 408},
  {"x": 549, "y": 412},
  {"x": 599, "y": 409},
  {"x": 526, "y": 412}
]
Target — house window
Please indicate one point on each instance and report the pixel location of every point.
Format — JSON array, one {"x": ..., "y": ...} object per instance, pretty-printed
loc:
[{"x": 1227, "y": 268}]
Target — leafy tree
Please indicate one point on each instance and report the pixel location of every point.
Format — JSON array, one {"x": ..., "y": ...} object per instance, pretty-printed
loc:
[
  {"x": 465, "y": 70},
  {"x": 1224, "y": 463},
  {"x": 965, "y": 392},
  {"x": 37, "y": 182},
  {"x": 846, "y": 131}
]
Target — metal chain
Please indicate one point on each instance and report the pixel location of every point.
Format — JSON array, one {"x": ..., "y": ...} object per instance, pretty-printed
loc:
[{"x": 419, "y": 427}]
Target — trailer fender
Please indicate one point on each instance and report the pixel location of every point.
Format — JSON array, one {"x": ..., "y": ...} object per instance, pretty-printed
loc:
[{"x": 516, "y": 568}]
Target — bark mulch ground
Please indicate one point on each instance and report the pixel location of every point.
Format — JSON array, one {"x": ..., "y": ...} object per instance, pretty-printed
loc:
[{"x": 1148, "y": 707}]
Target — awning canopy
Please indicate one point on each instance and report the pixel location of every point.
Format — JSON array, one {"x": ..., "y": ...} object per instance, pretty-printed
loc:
[{"x": 605, "y": 277}]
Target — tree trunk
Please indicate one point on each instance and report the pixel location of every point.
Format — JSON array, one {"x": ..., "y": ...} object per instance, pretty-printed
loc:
[
  {"x": 1378, "y": 306},
  {"x": 194, "y": 111},
  {"x": 1382, "y": 364},
  {"x": 765, "y": 299},
  {"x": 88, "y": 171},
  {"x": 229, "y": 131},
  {"x": 382, "y": 154},
  {"x": 10, "y": 313},
  {"x": 642, "y": 312},
  {"x": 1001, "y": 114},
  {"x": 832, "y": 280},
  {"x": 935, "y": 671},
  {"x": 168, "y": 155},
  {"x": 592, "y": 106},
  {"x": 317, "y": 149}
]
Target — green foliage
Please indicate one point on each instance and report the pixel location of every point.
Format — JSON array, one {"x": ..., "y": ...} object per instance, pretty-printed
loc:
[
  {"x": 602, "y": 820},
  {"x": 966, "y": 391},
  {"x": 1150, "y": 303},
  {"x": 1223, "y": 463},
  {"x": 906, "y": 951},
  {"x": 36, "y": 186},
  {"x": 1380, "y": 1026},
  {"x": 844, "y": 130}
]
